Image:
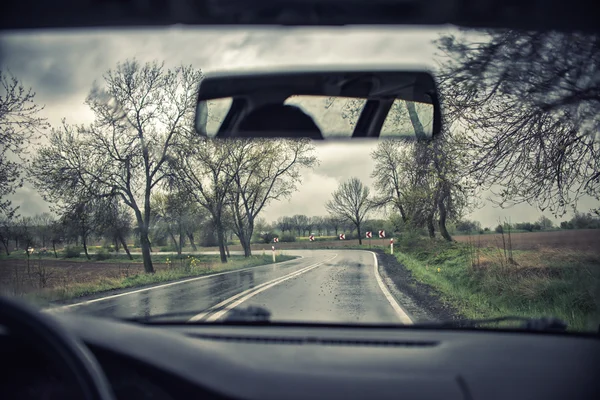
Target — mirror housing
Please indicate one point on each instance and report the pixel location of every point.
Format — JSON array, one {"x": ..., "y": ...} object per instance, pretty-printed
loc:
[{"x": 241, "y": 95}]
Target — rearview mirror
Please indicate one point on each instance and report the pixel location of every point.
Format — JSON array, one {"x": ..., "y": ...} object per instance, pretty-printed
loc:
[{"x": 319, "y": 104}]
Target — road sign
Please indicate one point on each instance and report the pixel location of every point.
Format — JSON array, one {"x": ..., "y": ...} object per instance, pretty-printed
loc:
[
  {"x": 381, "y": 234},
  {"x": 311, "y": 238},
  {"x": 275, "y": 240},
  {"x": 369, "y": 235},
  {"x": 342, "y": 236}
]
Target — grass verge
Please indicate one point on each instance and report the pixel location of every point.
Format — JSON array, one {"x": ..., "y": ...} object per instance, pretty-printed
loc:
[
  {"x": 485, "y": 282},
  {"x": 191, "y": 266}
]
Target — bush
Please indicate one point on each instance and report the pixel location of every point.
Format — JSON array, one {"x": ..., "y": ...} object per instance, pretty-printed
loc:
[
  {"x": 102, "y": 254},
  {"x": 287, "y": 238},
  {"x": 499, "y": 229},
  {"x": 72, "y": 252}
]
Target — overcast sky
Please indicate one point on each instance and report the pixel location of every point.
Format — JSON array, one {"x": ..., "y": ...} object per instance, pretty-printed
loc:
[{"x": 62, "y": 66}]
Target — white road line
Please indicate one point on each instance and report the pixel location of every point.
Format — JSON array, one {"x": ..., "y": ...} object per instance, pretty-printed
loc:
[
  {"x": 402, "y": 314},
  {"x": 238, "y": 299},
  {"x": 114, "y": 296}
]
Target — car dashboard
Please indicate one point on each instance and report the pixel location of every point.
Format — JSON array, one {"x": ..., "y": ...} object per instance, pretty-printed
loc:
[{"x": 316, "y": 362}]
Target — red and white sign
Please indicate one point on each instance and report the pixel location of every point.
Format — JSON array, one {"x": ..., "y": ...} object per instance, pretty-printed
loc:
[
  {"x": 342, "y": 236},
  {"x": 311, "y": 238},
  {"x": 275, "y": 240},
  {"x": 369, "y": 235},
  {"x": 382, "y": 234}
]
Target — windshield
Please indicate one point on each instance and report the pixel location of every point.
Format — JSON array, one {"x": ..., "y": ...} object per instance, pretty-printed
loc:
[{"x": 111, "y": 204}]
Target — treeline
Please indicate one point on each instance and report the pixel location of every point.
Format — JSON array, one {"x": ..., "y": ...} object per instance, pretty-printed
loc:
[
  {"x": 578, "y": 221},
  {"x": 288, "y": 229}
]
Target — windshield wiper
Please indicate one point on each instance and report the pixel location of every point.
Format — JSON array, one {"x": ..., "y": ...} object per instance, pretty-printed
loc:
[
  {"x": 544, "y": 324},
  {"x": 238, "y": 314},
  {"x": 248, "y": 314}
]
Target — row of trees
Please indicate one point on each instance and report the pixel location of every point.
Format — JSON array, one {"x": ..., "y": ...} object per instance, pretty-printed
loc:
[
  {"x": 142, "y": 156},
  {"x": 77, "y": 225}
]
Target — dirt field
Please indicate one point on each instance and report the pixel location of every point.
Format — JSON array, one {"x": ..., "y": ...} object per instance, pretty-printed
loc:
[
  {"x": 583, "y": 240},
  {"x": 15, "y": 277}
]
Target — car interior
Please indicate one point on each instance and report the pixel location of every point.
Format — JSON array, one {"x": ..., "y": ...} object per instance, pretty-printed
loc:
[{"x": 70, "y": 356}]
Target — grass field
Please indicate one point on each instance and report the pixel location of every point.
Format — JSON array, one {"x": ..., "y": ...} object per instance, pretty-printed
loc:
[
  {"x": 482, "y": 280},
  {"x": 45, "y": 279},
  {"x": 581, "y": 239}
]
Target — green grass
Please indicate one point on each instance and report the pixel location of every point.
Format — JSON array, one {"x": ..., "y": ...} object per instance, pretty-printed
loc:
[
  {"x": 483, "y": 284},
  {"x": 204, "y": 265}
]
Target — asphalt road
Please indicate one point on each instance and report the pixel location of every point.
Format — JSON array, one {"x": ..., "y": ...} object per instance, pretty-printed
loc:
[{"x": 321, "y": 286}]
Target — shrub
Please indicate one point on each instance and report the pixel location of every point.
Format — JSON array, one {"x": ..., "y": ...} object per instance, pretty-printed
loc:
[
  {"x": 72, "y": 252},
  {"x": 499, "y": 229},
  {"x": 102, "y": 254},
  {"x": 287, "y": 238}
]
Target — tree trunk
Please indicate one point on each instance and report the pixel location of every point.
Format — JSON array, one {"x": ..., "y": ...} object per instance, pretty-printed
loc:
[
  {"x": 54, "y": 248},
  {"x": 125, "y": 247},
  {"x": 175, "y": 243},
  {"x": 359, "y": 235},
  {"x": 181, "y": 242},
  {"x": 6, "y": 248},
  {"x": 145, "y": 243},
  {"x": 414, "y": 119},
  {"x": 442, "y": 222},
  {"x": 192, "y": 243},
  {"x": 227, "y": 249},
  {"x": 430, "y": 226},
  {"x": 85, "y": 249},
  {"x": 246, "y": 246},
  {"x": 221, "y": 240}
]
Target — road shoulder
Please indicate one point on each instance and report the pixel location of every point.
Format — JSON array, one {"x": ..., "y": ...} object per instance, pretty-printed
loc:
[{"x": 420, "y": 300}]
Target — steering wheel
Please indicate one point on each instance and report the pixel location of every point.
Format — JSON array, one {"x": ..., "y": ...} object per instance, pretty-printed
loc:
[{"x": 77, "y": 364}]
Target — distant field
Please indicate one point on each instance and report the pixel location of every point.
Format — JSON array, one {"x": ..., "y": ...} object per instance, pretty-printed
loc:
[
  {"x": 59, "y": 279},
  {"x": 582, "y": 239}
]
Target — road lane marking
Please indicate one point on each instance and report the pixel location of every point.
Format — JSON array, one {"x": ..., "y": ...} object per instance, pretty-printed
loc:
[
  {"x": 218, "y": 310},
  {"x": 114, "y": 296},
  {"x": 400, "y": 312}
]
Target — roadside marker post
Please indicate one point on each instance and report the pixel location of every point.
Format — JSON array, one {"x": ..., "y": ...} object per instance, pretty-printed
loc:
[
  {"x": 392, "y": 246},
  {"x": 273, "y": 247},
  {"x": 369, "y": 236}
]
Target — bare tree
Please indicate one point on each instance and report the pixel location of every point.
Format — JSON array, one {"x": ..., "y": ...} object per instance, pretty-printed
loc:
[
  {"x": 351, "y": 202},
  {"x": 529, "y": 105},
  {"x": 19, "y": 123},
  {"x": 263, "y": 171},
  {"x": 300, "y": 221},
  {"x": 113, "y": 221},
  {"x": 177, "y": 213},
  {"x": 142, "y": 113},
  {"x": 202, "y": 169},
  {"x": 285, "y": 224},
  {"x": 79, "y": 222},
  {"x": 43, "y": 226}
]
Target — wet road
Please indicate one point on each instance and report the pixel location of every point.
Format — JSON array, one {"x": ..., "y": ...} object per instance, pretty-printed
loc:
[{"x": 322, "y": 285}]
